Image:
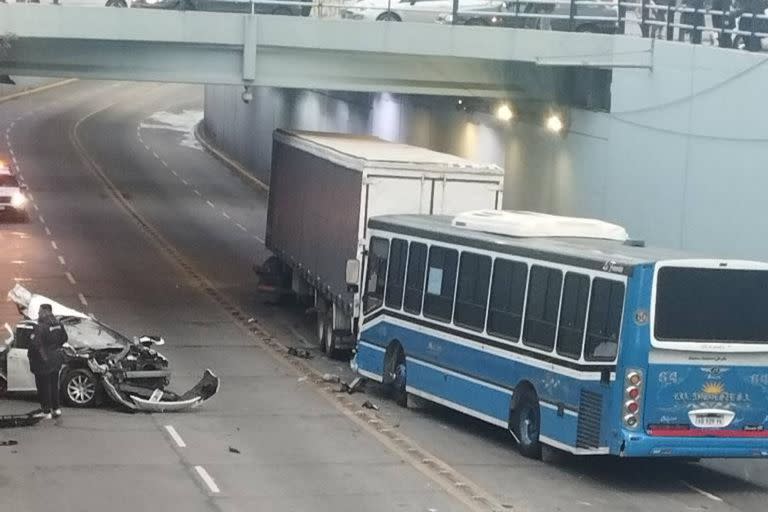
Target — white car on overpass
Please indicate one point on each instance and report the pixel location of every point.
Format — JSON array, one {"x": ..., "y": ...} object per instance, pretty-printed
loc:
[{"x": 426, "y": 11}]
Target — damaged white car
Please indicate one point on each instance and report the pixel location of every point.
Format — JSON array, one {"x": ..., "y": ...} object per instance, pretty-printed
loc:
[{"x": 99, "y": 363}]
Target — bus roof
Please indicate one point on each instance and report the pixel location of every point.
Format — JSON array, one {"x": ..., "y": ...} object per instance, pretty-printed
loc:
[
  {"x": 600, "y": 254},
  {"x": 359, "y": 152}
]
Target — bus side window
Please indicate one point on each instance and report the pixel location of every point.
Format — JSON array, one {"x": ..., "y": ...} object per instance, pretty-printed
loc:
[
  {"x": 414, "y": 280},
  {"x": 377, "y": 274},
  {"x": 472, "y": 290},
  {"x": 573, "y": 314},
  {"x": 604, "y": 323},
  {"x": 505, "y": 311},
  {"x": 440, "y": 283},
  {"x": 542, "y": 307},
  {"x": 396, "y": 273}
]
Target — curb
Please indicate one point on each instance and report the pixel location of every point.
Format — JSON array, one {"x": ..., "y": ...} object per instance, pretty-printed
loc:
[
  {"x": 229, "y": 162},
  {"x": 36, "y": 89}
]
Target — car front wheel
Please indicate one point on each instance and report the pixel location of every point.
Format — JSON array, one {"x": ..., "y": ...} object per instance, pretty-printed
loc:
[{"x": 81, "y": 389}]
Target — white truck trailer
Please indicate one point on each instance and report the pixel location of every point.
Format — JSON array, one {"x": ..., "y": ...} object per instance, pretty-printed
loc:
[{"x": 323, "y": 189}]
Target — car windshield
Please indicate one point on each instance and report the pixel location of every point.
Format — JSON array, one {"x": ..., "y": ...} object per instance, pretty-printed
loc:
[
  {"x": 88, "y": 333},
  {"x": 8, "y": 180}
]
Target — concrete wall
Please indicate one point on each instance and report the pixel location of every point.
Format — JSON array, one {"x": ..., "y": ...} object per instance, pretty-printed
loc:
[{"x": 681, "y": 160}]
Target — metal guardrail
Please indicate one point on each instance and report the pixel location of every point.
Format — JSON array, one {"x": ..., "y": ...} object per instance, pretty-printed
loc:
[{"x": 726, "y": 23}]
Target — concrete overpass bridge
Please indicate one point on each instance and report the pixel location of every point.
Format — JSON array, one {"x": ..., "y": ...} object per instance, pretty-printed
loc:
[{"x": 310, "y": 53}]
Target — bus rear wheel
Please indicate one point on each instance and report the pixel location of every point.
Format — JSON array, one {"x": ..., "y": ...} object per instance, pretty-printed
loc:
[{"x": 527, "y": 427}]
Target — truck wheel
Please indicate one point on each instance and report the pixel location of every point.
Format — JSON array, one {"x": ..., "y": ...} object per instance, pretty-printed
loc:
[
  {"x": 320, "y": 333},
  {"x": 329, "y": 345},
  {"x": 81, "y": 389}
]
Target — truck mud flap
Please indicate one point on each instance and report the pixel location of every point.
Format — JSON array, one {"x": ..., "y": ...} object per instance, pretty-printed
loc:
[{"x": 161, "y": 400}]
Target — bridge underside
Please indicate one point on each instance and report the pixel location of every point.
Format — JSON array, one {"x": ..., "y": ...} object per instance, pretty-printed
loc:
[{"x": 308, "y": 53}]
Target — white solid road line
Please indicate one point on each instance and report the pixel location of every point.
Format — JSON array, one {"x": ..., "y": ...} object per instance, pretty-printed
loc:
[
  {"x": 203, "y": 474},
  {"x": 55, "y": 247},
  {"x": 70, "y": 277},
  {"x": 175, "y": 436},
  {"x": 61, "y": 260},
  {"x": 82, "y": 299},
  {"x": 701, "y": 491}
]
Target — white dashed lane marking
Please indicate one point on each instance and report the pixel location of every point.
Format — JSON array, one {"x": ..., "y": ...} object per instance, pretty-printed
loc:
[
  {"x": 206, "y": 478},
  {"x": 42, "y": 219},
  {"x": 175, "y": 436},
  {"x": 47, "y": 231},
  {"x": 242, "y": 228},
  {"x": 55, "y": 247},
  {"x": 226, "y": 215},
  {"x": 62, "y": 261},
  {"x": 82, "y": 299},
  {"x": 210, "y": 204},
  {"x": 70, "y": 278},
  {"x": 701, "y": 491}
]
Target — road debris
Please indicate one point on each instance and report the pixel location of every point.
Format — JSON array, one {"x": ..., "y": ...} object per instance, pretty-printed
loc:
[
  {"x": 299, "y": 352},
  {"x": 233, "y": 450},
  {"x": 331, "y": 377},
  {"x": 356, "y": 385},
  {"x": 368, "y": 405},
  {"x": 18, "y": 420},
  {"x": 9, "y": 442},
  {"x": 252, "y": 320}
]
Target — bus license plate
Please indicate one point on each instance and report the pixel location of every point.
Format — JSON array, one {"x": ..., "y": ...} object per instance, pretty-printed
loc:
[{"x": 710, "y": 421}]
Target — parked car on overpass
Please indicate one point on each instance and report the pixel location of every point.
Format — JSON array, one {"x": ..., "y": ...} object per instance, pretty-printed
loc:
[
  {"x": 236, "y": 6},
  {"x": 594, "y": 17},
  {"x": 425, "y": 11}
]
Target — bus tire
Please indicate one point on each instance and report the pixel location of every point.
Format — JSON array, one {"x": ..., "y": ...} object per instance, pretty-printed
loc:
[
  {"x": 527, "y": 426},
  {"x": 399, "y": 392}
]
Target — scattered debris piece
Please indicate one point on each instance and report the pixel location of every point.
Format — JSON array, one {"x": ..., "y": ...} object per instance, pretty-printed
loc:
[
  {"x": 302, "y": 379},
  {"x": 330, "y": 377},
  {"x": 353, "y": 387},
  {"x": 252, "y": 320},
  {"x": 9, "y": 442},
  {"x": 368, "y": 405},
  {"x": 233, "y": 450},
  {"x": 299, "y": 352},
  {"x": 18, "y": 420}
]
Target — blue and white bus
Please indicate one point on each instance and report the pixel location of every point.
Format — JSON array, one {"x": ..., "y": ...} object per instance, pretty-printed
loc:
[{"x": 568, "y": 334}]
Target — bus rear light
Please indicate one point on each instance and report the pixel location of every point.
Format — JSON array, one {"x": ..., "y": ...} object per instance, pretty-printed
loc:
[{"x": 633, "y": 380}]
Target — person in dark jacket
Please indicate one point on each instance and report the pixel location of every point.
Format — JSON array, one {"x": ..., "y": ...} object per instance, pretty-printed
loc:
[{"x": 45, "y": 360}]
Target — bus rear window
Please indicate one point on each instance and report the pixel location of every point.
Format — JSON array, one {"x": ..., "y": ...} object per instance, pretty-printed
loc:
[{"x": 710, "y": 305}]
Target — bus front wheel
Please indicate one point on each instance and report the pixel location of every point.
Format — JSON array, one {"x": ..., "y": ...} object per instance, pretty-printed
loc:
[{"x": 527, "y": 426}]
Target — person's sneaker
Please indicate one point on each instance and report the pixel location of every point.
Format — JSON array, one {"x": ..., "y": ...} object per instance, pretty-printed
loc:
[
  {"x": 42, "y": 415},
  {"x": 56, "y": 413}
]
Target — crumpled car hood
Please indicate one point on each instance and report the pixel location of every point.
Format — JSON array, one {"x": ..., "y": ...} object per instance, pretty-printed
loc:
[{"x": 29, "y": 304}]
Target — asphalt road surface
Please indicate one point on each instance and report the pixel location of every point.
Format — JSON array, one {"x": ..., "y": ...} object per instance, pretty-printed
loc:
[{"x": 133, "y": 222}]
